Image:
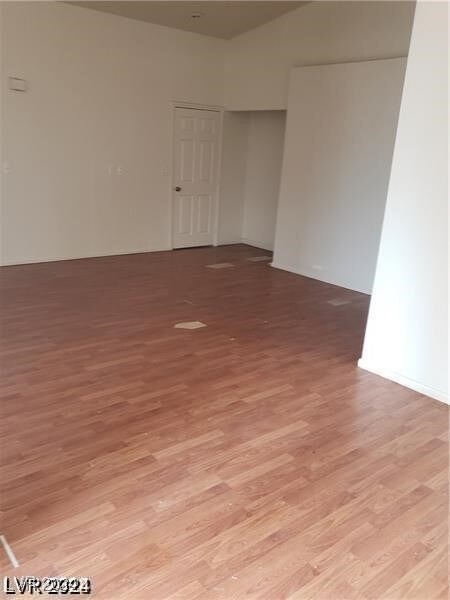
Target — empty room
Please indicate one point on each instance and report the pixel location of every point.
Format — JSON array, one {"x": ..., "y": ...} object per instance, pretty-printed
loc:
[{"x": 224, "y": 300}]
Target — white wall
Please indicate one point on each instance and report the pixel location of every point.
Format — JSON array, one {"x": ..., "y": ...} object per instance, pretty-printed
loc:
[
  {"x": 100, "y": 88},
  {"x": 233, "y": 174},
  {"x": 407, "y": 331},
  {"x": 258, "y": 62},
  {"x": 339, "y": 140},
  {"x": 262, "y": 181},
  {"x": 252, "y": 152}
]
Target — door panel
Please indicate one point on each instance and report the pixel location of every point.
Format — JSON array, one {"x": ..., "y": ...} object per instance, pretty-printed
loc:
[
  {"x": 186, "y": 162},
  {"x": 196, "y": 139},
  {"x": 204, "y": 214},
  {"x": 206, "y": 162},
  {"x": 185, "y": 214}
]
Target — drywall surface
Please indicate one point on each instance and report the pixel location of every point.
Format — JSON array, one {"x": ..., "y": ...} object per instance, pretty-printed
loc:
[
  {"x": 88, "y": 146},
  {"x": 86, "y": 151},
  {"x": 407, "y": 332},
  {"x": 233, "y": 173},
  {"x": 258, "y": 62},
  {"x": 340, "y": 133},
  {"x": 252, "y": 152},
  {"x": 262, "y": 181}
]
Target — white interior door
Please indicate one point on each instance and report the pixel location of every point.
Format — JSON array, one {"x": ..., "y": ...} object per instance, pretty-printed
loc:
[{"x": 196, "y": 145}]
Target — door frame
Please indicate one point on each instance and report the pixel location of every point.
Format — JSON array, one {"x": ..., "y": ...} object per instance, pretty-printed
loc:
[{"x": 194, "y": 105}]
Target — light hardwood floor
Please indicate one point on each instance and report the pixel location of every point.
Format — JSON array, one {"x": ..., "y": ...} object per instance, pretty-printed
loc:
[{"x": 247, "y": 459}]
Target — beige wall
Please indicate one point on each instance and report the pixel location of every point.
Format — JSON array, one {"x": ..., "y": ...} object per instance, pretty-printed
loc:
[
  {"x": 99, "y": 96},
  {"x": 407, "y": 331},
  {"x": 258, "y": 62}
]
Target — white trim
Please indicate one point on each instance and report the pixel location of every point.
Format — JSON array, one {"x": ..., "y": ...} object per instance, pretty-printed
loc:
[
  {"x": 218, "y": 179},
  {"x": 322, "y": 278},
  {"x": 32, "y": 261},
  {"x": 196, "y": 106},
  {"x": 8, "y": 551},
  {"x": 173, "y": 106},
  {"x": 405, "y": 381}
]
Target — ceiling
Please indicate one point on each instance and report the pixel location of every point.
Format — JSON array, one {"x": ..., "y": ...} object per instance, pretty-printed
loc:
[{"x": 219, "y": 19}]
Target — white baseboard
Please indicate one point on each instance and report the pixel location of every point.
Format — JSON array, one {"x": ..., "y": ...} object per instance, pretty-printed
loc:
[
  {"x": 256, "y": 244},
  {"x": 405, "y": 381},
  {"x": 319, "y": 277},
  {"x": 31, "y": 261}
]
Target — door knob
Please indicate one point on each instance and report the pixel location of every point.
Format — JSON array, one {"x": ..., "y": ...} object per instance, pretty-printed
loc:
[{"x": 178, "y": 189}]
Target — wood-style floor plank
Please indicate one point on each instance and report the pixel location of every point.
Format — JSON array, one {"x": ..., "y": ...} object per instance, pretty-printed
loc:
[{"x": 250, "y": 458}]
